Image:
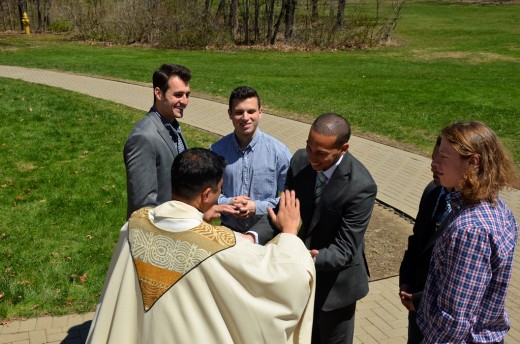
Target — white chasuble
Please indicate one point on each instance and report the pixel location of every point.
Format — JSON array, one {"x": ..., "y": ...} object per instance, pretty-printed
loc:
[{"x": 203, "y": 285}]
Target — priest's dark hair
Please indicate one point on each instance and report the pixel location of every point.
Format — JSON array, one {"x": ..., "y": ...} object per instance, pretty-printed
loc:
[{"x": 194, "y": 170}]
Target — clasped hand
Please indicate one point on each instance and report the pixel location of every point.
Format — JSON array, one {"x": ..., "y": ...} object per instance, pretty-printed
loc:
[{"x": 244, "y": 206}]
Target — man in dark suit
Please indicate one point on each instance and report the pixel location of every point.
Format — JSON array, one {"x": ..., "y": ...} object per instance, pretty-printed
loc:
[
  {"x": 337, "y": 195},
  {"x": 416, "y": 261},
  {"x": 157, "y": 139}
]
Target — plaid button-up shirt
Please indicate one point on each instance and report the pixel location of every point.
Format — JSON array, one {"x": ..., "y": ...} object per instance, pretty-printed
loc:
[{"x": 469, "y": 275}]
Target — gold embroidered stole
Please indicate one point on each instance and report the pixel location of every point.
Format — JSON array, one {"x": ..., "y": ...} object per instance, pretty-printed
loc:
[{"x": 162, "y": 258}]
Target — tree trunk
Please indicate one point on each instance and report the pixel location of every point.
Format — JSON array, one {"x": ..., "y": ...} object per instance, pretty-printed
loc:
[
  {"x": 340, "y": 18},
  {"x": 290, "y": 9},
  {"x": 220, "y": 10},
  {"x": 233, "y": 19},
  {"x": 314, "y": 12},
  {"x": 257, "y": 21},
  {"x": 46, "y": 15},
  {"x": 270, "y": 21},
  {"x": 3, "y": 15},
  {"x": 207, "y": 6},
  {"x": 11, "y": 21},
  {"x": 39, "y": 12},
  {"x": 247, "y": 39},
  {"x": 20, "y": 12},
  {"x": 277, "y": 25}
]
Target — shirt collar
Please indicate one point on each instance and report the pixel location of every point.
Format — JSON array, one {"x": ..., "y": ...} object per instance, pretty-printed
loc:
[
  {"x": 328, "y": 173},
  {"x": 175, "y": 216},
  {"x": 174, "y": 124},
  {"x": 455, "y": 199},
  {"x": 177, "y": 210},
  {"x": 251, "y": 144}
]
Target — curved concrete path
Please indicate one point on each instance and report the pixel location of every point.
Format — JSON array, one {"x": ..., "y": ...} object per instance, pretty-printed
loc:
[{"x": 401, "y": 177}]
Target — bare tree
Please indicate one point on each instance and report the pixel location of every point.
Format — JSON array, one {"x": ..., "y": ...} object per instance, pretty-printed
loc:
[
  {"x": 245, "y": 17},
  {"x": 39, "y": 13},
  {"x": 277, "y": 25},
  {"x": 314, "y": 11},
  {"x": 340, "y": 18},
  {"x": 290, "y": 9},
  {"x": 3, "y": 16},
  {"x": 256, "y": 28},
  {"x": 233, "y": 18},
  {"x": 46, "y": 15},
  {"x": 220, "y": 10},
  {"x": 22, "y": 7},
  {"x": 11, "y": 21},
  {"x": 270, "y": 20}
]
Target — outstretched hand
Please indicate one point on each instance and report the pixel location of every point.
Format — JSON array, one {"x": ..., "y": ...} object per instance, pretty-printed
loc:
[
  {"x": 215, "y": 211},
  {"x": 288, "y": 217}
]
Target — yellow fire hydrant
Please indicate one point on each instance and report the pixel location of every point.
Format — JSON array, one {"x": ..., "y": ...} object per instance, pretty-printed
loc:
[{"x": 25, "y": 21}]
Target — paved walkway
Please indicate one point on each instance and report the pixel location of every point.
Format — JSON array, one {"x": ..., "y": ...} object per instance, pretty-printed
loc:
[{"x": 400, "y": 176}]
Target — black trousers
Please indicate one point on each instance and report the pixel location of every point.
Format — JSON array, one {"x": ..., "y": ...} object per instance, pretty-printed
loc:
[
  {"x": 414, "y": 334},
  {"x": 334, "y": 327}
]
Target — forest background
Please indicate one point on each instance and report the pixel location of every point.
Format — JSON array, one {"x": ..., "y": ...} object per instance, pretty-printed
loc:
[{"x": 216, "y": 23}]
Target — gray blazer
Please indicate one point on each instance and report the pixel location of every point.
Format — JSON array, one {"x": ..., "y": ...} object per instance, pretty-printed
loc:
[
  {"x": 336, "y": 227},
  {"x": 149, "y": 152}
]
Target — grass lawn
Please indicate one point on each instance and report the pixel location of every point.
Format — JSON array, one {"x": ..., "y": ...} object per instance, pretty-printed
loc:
[
  {"x": 452, "y": 61},
  {"x": 62, "y": 196}
]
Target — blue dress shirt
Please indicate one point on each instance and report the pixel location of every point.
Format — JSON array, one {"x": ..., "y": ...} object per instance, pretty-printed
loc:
[{"x": 257, "y": 171}]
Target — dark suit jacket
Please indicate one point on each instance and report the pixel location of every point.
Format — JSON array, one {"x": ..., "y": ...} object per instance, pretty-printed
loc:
[
  {"x": 149, "y": 152},
  {"x": 416, "y": 261},
  {"x": 336, "y": 227}
]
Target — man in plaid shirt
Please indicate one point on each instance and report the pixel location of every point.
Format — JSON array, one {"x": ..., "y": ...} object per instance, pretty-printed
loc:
[{"x": 470, "y": 269}]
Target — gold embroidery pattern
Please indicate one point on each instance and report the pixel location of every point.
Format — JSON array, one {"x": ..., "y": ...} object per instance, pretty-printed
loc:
[
  {"x": 162, "y": 258},
  {"x": 220, "y": 234}
]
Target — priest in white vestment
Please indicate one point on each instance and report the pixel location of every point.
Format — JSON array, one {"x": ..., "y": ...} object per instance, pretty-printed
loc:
[{"x": 174, "y": 278}]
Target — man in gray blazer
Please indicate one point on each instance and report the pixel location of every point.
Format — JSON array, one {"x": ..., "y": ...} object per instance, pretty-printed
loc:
[
  {"x": 337, "y": 195},
  {"x": 156, "y": 140}
]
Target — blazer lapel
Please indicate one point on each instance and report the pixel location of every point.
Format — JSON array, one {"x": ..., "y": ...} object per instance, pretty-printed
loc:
[
  {"x": 163, "y": 132},
  {"x": 335, "y": 185}
]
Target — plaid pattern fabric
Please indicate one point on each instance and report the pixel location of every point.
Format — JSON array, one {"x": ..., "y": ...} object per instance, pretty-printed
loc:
[{"x": 470, "y": 270}]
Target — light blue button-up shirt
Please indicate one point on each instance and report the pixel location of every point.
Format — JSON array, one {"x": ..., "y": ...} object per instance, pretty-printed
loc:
[{"x": 258, "y": 171}]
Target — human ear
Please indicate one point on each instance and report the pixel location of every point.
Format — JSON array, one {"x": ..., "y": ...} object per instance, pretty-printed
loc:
[
  {"x": 344, "y": 147},
  {"x": 205, "y": 194},
  {"x": 158, "y": 93},
  {"x": 474, "y": 163},
  {"x": 474, "y": 160}
]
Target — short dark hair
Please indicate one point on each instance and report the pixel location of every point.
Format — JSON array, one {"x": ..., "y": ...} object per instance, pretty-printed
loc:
[
  {"x": 166, "y": 71},
  {"x": 332, "y": 124},
  {"x": 243, "y": 92},
  {"x": 194, "y": 170}
]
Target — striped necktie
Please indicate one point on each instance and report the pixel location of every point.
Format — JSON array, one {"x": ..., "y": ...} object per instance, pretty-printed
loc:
[{"x": 321, "y": 182}]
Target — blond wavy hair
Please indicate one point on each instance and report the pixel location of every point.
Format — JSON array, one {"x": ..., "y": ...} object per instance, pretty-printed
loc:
[{"x": 496, "y": 169}]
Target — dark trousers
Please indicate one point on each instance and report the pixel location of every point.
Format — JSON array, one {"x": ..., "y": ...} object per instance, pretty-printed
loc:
[
  {"x": 414, "y": 334},
  {"x": 334, "y": 327}
]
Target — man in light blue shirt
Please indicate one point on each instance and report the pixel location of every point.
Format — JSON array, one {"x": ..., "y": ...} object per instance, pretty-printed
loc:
[{"x": 257, "y": 163}]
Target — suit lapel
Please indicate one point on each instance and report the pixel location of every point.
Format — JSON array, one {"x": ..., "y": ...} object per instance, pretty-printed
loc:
[
  {"x": 335, "y": 185},
  {"x": 433, "y": 223},
  {"x": 163, "y": 132}
]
